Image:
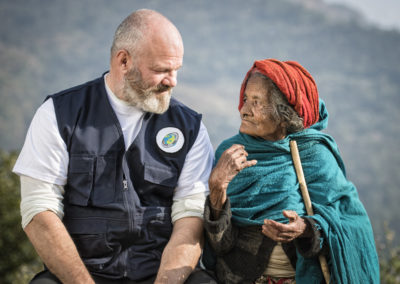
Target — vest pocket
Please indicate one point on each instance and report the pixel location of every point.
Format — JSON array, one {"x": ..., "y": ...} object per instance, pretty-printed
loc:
[
  {"x": 90, "y": 238},
  {"x": 80, "y": 179},
  {"x": 158, "y": 224},
  {"x": 161, "y": 175},
  {"x": 104, "y": 183},
  {"x": 91, "y": 178}
]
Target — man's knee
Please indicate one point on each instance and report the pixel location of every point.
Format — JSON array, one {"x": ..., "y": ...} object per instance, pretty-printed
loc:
[{"x": 45, "y": 277}]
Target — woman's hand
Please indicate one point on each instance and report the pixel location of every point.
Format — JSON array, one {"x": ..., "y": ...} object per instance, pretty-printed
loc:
[
  {"x": 231, "y": 162},
  {"x": 285, "y": 233}
]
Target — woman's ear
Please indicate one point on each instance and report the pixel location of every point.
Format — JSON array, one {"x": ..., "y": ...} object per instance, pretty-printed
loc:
[{"x": 283, "y": 125}]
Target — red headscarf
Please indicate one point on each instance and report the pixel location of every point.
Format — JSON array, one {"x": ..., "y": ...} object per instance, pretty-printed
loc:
[{"x": 294, "y": 82}]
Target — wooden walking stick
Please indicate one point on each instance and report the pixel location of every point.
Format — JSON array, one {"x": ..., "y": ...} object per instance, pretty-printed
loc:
[{"x": 307, "y": 201}]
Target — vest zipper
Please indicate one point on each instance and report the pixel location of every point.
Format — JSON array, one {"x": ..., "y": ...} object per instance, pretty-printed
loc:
[{"x": 127, "y": 203}]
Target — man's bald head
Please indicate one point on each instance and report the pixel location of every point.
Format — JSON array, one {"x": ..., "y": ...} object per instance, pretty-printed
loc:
[{"x": 143, "y": 27}]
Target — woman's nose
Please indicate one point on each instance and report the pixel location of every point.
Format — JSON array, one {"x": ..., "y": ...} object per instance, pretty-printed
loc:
[{"x": 245, "y": 110}]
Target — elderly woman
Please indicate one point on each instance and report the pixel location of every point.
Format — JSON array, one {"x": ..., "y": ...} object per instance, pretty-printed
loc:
[{"x": 256, "y": 224}]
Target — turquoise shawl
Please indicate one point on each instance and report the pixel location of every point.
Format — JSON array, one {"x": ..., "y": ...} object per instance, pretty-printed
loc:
[{"x": 264, "y": 190}]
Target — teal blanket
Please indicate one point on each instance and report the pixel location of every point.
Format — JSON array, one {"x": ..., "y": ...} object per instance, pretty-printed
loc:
[{"x": 264, "y": 190}]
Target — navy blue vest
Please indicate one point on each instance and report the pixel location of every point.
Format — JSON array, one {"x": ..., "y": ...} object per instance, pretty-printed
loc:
[{"x": 117, "y": 203}]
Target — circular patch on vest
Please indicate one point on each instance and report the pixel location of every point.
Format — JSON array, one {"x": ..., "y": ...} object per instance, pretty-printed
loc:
[{"x": 170, "y": 139}]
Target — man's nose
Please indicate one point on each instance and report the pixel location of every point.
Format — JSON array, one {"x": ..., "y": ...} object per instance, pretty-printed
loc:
[{"x": 171, "y": 80}]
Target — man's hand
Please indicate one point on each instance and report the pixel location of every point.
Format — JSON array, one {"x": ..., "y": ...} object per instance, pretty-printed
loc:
[
  {"x": 285, "y": 233},
  {"x": 231, "y": 162}
]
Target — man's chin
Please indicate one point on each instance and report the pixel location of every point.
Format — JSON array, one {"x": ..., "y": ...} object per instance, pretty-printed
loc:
[
  {"x": 162, "y": 95},
  {"x": 154, "y": 102},
  {"x": 158, "y": 108},
  {"x": 165, "y": 107},
  {"x": 164, "y": 99}
]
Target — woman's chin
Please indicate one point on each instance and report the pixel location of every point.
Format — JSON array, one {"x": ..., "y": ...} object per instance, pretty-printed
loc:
[{"x": 245, "y": 130}]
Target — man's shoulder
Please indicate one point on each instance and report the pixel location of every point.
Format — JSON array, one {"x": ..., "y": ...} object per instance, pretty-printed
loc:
[
  {"x": 175, "y": 105},
  {"x": 79, "y": 88}
]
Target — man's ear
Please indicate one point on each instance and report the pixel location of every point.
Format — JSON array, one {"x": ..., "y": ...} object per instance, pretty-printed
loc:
[{"x": 123, "y": 60}]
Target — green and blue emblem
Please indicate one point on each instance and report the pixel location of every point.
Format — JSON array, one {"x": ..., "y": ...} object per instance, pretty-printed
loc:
[{"x": 170, "y": 139}]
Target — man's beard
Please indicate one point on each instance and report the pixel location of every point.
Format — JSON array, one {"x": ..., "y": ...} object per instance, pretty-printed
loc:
[{"x": 139, "y": 94}]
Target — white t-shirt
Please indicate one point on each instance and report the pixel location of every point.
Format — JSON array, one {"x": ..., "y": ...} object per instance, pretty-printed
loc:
[{"x": 44, "y": 157}]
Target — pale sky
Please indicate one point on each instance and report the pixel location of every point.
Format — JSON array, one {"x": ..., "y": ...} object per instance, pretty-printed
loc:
[{"x": 385, "y": 13}]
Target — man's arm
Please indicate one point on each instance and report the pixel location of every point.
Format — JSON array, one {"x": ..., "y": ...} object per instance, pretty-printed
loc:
[
  {"x": 55, "y": 247},
  {"x": 182, "y": 252}
]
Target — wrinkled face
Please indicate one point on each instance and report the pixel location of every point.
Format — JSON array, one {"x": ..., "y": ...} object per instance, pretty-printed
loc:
[
  {"x": 148, "y": 85},
  {"x": 256, "y": 112}
]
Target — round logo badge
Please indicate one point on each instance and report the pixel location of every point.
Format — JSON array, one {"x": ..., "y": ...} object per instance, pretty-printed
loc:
[{"x": 170, "y": 139}]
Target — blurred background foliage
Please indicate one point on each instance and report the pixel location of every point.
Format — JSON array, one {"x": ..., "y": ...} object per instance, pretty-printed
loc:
[
  {"x": 18, "y": 260},
  {"x": 50, "y": 45}
]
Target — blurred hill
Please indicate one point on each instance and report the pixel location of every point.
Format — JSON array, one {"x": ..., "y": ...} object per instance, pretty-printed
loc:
[{"x": 50, "y": 45}]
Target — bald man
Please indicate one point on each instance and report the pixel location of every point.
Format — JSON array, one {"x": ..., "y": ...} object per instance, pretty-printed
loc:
[{"x": 114, "y": 171}]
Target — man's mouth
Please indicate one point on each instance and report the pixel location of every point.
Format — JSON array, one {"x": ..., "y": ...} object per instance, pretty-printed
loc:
[{"x": 162, "y": 88}]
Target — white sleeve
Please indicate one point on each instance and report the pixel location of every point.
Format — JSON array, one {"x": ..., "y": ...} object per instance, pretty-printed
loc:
[
  {"x": 44, "y": 155},
  {"x": 197, "y": 167},
  {"x": 192, "y": 189},
  {"x": 188, "y": 206},
  {"x": 38, "y": 196}
]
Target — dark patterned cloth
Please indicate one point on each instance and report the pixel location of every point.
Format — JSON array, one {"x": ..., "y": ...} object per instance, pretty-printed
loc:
[
  {"x": 241, "y": 254},
  {"x": 274, "y": 280}
]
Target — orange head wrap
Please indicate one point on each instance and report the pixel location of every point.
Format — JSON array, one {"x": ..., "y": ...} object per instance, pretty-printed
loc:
[{"x": 294, "y": 82}]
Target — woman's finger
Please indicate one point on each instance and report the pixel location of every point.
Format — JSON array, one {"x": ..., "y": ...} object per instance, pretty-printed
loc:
[
  {"x": 234, "y": 148},
  {"x": 291, "y": 215},
  {"x": 250, "y": 163},
  {"x": 238, "y": 153}
]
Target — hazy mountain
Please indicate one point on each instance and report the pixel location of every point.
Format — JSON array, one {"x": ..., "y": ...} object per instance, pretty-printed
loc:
[{"x": 50, "y": 45}]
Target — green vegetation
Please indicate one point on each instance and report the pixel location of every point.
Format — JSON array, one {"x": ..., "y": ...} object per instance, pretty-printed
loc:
[
  {"x": 389, "y": 258},
  {"x": 18, "y": 260}
]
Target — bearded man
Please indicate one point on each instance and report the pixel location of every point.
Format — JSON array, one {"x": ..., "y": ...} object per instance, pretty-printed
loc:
[{"x": 114, "y": 172}]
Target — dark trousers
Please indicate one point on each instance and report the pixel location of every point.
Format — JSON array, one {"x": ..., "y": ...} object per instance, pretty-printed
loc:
[{"x": 198, "y": 276}]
